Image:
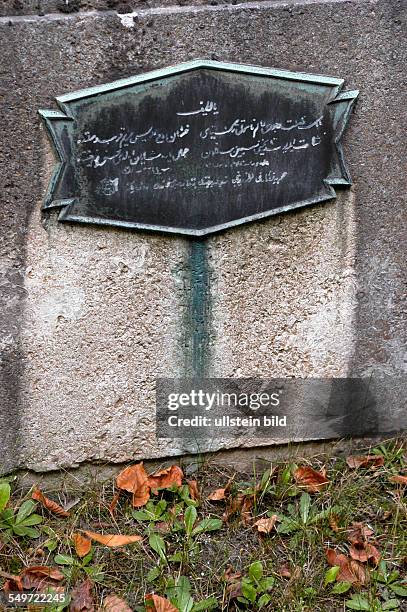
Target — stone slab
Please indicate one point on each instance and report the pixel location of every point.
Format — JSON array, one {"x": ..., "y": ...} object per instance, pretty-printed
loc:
[{"x": 90, "y": 316}]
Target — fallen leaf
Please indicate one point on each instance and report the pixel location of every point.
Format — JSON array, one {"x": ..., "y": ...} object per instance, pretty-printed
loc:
[
  {"x": 358, "y": 532},
  {"x": 36, "y": 577},
  {"x": 284, "y": 571},
  {"x": 193, "y": 489},
  {"x": 357, "y": 461},
  {"x": 235, "y": 505},
  {"x": 169, "y": 477},
  {"x": 350, "y": 570},
  {"x": 363, "y": 551},
  {"x": 113, "y": 540},
  {"x": 82, "y": 597},
  {"x": 13, "y": 582},
  {"x": 310, "y": 479},
  {"x": 134, "y": 479},
  {"x": 399, "y": 479},
  {"x": 265, "y": 525},
  {"x": 49, "y": 504},
  {"x": 248, "y": 503},
  {"x": 233, "y": 582},
  {"x": 113, "y": 603},
  {"x": 218, "y": 495},
  {"x": 160, "y": 603},
  {"x": 82, "y": 545},
  {"x": 221, "y": 494},
  {"x": 113, "y": 504}
]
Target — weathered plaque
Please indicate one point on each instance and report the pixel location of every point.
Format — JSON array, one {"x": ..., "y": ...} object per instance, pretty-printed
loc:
[{"x": 198, "y": 147}]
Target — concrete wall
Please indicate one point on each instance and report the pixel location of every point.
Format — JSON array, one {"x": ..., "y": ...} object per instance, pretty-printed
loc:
[{"x": 91, "y": 316}]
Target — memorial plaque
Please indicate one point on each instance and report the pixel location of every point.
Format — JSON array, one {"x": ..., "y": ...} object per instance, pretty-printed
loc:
[{"x": 198, "y": 147}]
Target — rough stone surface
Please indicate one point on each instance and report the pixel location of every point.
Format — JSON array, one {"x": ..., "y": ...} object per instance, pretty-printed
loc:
[{"x": 91, "y": 316}]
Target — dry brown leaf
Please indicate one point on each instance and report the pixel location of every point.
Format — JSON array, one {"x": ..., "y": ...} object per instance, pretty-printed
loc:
[
  {"x": 171, "y": 476},
  {"x": 160, "y": 604},
  {"x": 193, "y": 489},
  {"x": 221, "y": 494},
  {"x": 218, "y": 495},
  {"x": 310, "y": 479},
  {"x": 113, "y": 603},
  {"x": 399, "y": 479},
  {"x": 233, "y": 581},
  {"x": 49, "y": 504},
  {"x": 284, "y": 571},
  {"x": 350, "y": 570},
  {"x": 13, "y": 583},
  {"x": 265, "y": 525},
  {"x": 235, "y": 505},
  {"x": 358, "y": 532},
  {"x": 357, "y": 461},
  {"x": 82, "y": 544},
  {"x": 113, "y": 504},
  {"x": 361, "y": 551},
  {"x": 248, "y": 503},
  {"x": 39, "y": 577},
  {"x": 134, "y": 479},
  {"x": 112, "y": 540},
  {"x": 82, "y": 597}
]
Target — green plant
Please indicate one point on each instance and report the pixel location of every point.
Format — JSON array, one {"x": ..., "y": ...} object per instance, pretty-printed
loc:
[
  {"x": 255, "y": 587},
  {"x": 72, "y": 567},
  {"x": 179, "y": 594},
  {"x": 18, "y": 523},
  {"x": 393, "y": 454},
  {"x": 153, "y": 512},
  {"x": 302, "y": 517},
  {"x": 391, "y": 581},
  {"x": 359, "y": 601}
]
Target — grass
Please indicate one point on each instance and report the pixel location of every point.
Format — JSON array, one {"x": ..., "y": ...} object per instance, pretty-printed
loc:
[{"x": 364, "y": 495}]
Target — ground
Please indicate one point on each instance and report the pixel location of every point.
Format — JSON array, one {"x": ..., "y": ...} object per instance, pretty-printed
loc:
[{"x": 333, "y": 537}]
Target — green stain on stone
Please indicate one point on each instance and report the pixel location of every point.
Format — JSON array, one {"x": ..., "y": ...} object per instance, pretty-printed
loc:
[{"x": 198, "y": 310}]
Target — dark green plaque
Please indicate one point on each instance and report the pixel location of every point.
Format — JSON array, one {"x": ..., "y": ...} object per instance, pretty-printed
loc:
[{"x": 198, "y": 147}]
